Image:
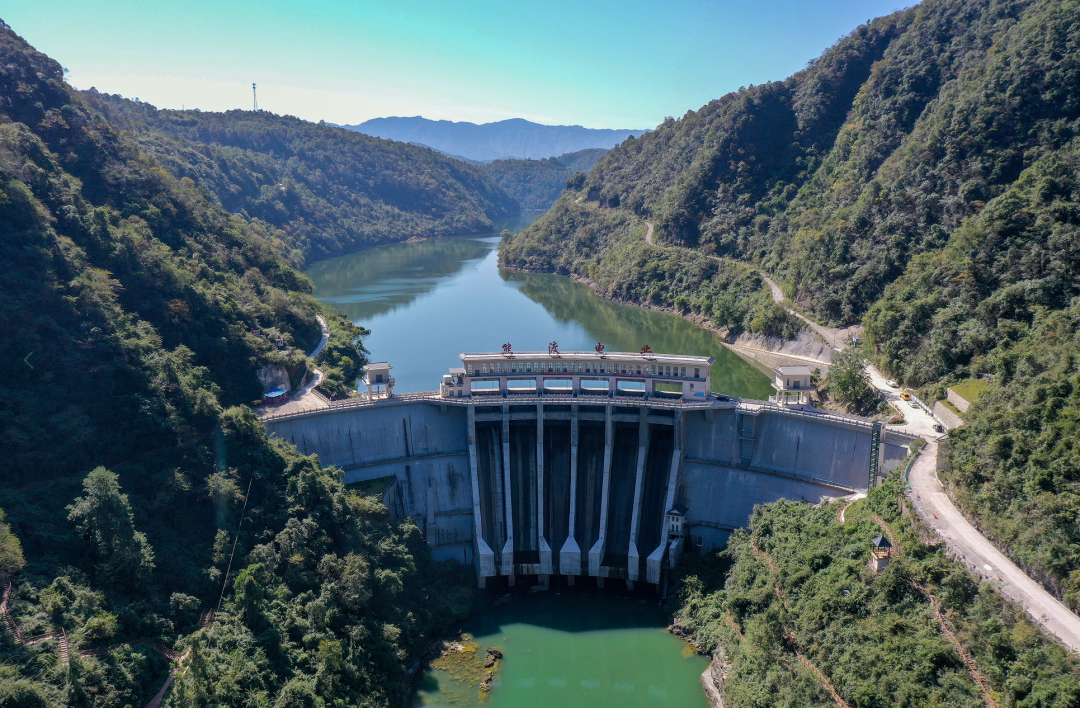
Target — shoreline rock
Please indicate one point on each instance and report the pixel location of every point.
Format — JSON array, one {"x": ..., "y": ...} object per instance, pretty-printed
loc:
[{"x": 715, "y": 676}]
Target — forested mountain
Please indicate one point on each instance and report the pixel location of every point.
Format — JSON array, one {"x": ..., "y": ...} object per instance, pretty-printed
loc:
[
  {"x": 328, "y": 191},
  {"x": 792, "y": 604},
  {"x": 129, "y": 306},
  {"x": 504, "y": 139},
  {"x": 536, "y": 184},
  {"x": 919, "y": 177}
]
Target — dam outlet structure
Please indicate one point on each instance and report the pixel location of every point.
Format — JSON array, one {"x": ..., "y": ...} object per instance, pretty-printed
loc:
[{"x": 607, "y": 465}]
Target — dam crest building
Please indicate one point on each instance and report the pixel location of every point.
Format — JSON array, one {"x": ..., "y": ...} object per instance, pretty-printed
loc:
[{"x": 587, "y": 463}]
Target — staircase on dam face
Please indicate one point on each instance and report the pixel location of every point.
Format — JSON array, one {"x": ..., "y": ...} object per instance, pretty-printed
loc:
[
  {"x": 747, "y": 436},
  {"x": 537, "y": 486}
]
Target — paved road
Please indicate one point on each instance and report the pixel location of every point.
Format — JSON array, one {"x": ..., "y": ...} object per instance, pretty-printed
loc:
[
  {"x": 325, "y": 337},
  {"x": 936, "y": 508},
  {"x": 938, "y": 511},
  {"x": 306, "y": 398},
  {"x": 941, "y": 515}
]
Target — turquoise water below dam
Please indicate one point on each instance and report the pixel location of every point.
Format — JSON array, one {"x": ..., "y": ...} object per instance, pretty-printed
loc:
[{"x": 589, "y": 649}]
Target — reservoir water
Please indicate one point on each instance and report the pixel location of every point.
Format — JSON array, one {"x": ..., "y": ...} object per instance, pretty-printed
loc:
[
  {"x": 425, "y": 303},
  {"x": 583, "y": 650}
]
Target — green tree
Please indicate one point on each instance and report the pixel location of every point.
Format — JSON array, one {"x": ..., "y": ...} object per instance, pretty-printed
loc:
[
  {"x": 104, "y": 517},
  {"x": 11, "y": 555},
  {"x": 848, "y": 381}
]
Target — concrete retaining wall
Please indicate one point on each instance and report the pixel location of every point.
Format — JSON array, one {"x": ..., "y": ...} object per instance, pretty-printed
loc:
[
  {"x": 422, "y": 445},
  {"x": 961, "y": 403},
  {"x": 946, "y": 416}
]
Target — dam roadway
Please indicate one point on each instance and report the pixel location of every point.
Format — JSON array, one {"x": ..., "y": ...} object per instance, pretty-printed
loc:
[{"x": 565, "y": 479}]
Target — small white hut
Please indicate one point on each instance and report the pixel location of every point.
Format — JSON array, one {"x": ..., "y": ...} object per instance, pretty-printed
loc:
[{"x": 378, "y": 380}]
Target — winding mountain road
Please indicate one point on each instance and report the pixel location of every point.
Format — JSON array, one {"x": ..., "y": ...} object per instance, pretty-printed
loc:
[
  {"x": 941, "y": 515},
  {"x": 835, "y": 337},
  {"x": 934, "y": 506},
  {"x": 971, "y": 547}
]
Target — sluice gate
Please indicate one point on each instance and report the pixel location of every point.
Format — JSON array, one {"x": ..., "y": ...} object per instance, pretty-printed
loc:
[{"x": 588, "y": 485}]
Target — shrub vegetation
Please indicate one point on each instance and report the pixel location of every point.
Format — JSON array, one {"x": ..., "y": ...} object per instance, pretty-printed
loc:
[
  {"x": 919, "y": 177},
  {"x": 873, "y": 636}
]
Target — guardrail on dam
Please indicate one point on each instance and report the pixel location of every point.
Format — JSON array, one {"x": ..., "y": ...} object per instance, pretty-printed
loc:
[{"x": 575, "y": 483}]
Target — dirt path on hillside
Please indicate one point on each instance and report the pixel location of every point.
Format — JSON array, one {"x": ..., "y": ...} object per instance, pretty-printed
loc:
[
  {"x": 935, "y": 507},
  {"x": 837, "y": 337},
  {"x": 941, "y": 515}
]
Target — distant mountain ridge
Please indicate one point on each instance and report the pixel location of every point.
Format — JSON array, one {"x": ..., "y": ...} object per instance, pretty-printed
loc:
[{"x": 505, "y": 139}]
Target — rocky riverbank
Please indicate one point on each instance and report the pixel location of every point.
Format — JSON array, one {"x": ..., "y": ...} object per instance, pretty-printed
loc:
[
  {"x": 462, "y": 658},
  {"x": 713, "y": 678}
]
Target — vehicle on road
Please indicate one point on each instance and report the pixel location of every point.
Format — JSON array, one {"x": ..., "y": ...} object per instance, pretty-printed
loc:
[
  {"x": 892, "y": 383},
  {"x": 906, "y": 396},
  {"x": 938, "y": 428}
]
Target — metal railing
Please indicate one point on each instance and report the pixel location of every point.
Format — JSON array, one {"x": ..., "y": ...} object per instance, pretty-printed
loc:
[{"x": 712, "y": 402}]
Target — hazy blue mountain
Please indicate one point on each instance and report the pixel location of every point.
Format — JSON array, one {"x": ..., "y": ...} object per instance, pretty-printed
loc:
[{"x": 514, "y": 138}]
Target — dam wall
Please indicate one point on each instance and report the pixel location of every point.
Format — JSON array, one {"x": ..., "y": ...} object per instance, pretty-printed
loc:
[
  {"x": 589, "y": 485},
  {"x": 422, "y": 446}
]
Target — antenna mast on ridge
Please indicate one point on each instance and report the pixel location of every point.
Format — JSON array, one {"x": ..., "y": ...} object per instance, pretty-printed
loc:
[{"x": 254, "y": 98}]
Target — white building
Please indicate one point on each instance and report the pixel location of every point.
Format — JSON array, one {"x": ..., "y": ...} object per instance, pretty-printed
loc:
[
  {"x": 646, "y": 375},
  {"x": 378, "y": 380},
  {"x": 792, "y": 384}
]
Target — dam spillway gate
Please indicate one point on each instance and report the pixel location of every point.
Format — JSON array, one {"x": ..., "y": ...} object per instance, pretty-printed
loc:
[{"x": 577, "y": 484}]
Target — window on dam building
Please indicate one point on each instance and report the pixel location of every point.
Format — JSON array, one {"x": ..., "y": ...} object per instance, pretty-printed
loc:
[
  {"x": 611, "y": 365},
  {"x": 609, "y": 368}
]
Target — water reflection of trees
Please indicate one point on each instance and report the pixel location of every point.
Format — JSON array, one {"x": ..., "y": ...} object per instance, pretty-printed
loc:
[
  {"x": 382, "y": 279},
  {"x": 627, "y": 328}
]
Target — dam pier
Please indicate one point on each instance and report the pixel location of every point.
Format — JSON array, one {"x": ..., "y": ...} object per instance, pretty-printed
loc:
[{"x": 587, "y": 463}]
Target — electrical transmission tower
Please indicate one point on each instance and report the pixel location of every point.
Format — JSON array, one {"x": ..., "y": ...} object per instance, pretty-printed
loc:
[{"x": 254, "y": 97}]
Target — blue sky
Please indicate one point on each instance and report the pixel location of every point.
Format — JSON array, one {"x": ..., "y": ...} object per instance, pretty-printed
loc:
[{"x": 624, "y": 64}]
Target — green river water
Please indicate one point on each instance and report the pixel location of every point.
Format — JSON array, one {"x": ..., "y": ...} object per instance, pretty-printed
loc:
[
  {"x": 579, "y": 650},
  {"x": 427, "y": 302}
]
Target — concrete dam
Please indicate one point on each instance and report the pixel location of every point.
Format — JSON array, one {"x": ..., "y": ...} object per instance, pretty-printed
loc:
[{"x": 605, "y": 465}]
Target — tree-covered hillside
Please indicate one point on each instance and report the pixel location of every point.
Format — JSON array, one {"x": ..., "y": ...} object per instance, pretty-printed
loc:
[
  {"x": 536, "y": 184},
  {"x": 500, "y": 140},
  {"x": 836, "y": 179},
  {"x": 919, "y": 177},
  {"x": 796, "y": 610},
  {"x": 1015, "y": 464},
  {"x": 327, "y": 190},
  {"x": 135, "y": 314}
]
